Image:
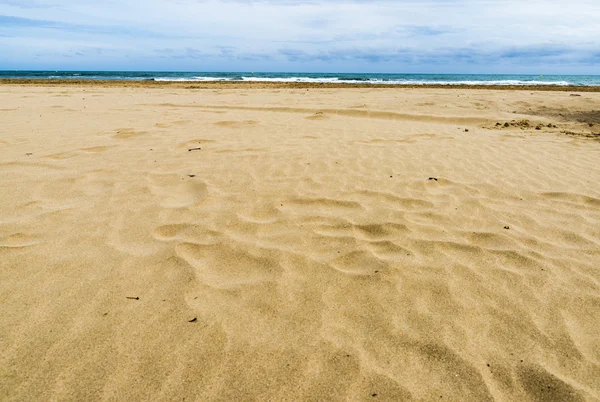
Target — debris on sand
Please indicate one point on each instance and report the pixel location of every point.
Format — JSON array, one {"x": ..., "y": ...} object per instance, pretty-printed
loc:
[
  {"x": 523, "y": 124},
  {"x": 582, "y": 135}
]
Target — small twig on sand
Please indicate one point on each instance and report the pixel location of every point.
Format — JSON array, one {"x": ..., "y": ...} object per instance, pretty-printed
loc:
[{"x": 194, "y": 149}]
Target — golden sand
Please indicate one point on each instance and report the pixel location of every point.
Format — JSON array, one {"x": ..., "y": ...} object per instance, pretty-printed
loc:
[{"x": 298, "y": 244}]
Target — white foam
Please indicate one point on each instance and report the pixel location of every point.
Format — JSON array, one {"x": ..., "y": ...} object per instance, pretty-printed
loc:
[
  {"x": 172, "y": 79},
  {"x": 336, "y": 80},
  {"x": 298, "y": 79},
  {"x": 192, "y": 79},
  {"x": 213, "y": 79},
  {"x": 403, "y": 82},
  {"x": 490, "y": 82}
]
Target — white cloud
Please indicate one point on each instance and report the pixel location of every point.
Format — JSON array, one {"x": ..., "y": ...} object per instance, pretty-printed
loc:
[{"x": 271, "y": 35}]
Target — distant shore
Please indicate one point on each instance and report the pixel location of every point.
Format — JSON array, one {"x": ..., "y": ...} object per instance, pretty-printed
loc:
[{"x": 275, "y": 85}]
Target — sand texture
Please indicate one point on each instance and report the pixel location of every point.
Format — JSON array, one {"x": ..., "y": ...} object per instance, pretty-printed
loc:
[{"x": 276, "y": 244}]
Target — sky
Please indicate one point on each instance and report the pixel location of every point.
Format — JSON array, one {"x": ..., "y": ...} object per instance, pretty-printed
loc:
[{"x": 402, "y": 36}]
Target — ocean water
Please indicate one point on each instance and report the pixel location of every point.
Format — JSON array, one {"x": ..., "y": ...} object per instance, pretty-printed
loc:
[{"x": 414, "y": 79}]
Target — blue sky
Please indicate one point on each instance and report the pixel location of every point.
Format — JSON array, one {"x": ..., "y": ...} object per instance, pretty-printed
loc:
[{"x": 404, "y": 36}]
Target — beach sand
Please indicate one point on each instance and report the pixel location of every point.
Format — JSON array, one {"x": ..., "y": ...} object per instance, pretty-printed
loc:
[{"x": 306, "y": 243}]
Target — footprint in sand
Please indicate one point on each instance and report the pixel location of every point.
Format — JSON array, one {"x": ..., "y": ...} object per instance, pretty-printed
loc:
[
  {"x": 323, "y": 205},
  {"x": 261, "y": 214},
  {"x": 380, "y": 231},
  {"x": 195, "y": 234},
  {"x": 18, "y": 240},
  {"x": 62, "y": 155},
  {"x": 236, "y": 124},
  {"x": 395, "y": 202},
  {"x": 95, "y": 150},
  {"x": 176, "y": 191},
  {"x": 82, "y": 151},
  {"x": 225, "y": 267},
  {"x": 387, "y": 250},
  {"x": 173, "y": 124},
  {"x": 317, "y": 116},
  {"x": 359, "y": 263},
  {"x": 191, "y": 144},
  {"x": 126, "y": 133}
]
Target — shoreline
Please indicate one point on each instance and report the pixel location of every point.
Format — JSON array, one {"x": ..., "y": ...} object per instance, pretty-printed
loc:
[{"x": 276, "y": 85}]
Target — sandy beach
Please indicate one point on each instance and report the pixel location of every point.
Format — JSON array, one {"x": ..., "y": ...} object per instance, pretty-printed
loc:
[{"x": 289, "y": 242}]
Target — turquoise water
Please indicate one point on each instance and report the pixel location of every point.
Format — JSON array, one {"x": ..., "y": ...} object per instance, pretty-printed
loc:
[{"x": 464, "y": 79}]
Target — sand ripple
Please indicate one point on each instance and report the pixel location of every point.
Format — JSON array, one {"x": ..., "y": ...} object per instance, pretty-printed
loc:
[{"x": 307, "y": 252}]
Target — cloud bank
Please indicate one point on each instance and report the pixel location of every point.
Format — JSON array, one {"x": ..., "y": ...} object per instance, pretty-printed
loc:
[{"x": 435, "y": 36}]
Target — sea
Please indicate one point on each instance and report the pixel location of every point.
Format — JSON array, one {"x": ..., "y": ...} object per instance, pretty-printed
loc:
[{"x": 349, "y": 78}]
